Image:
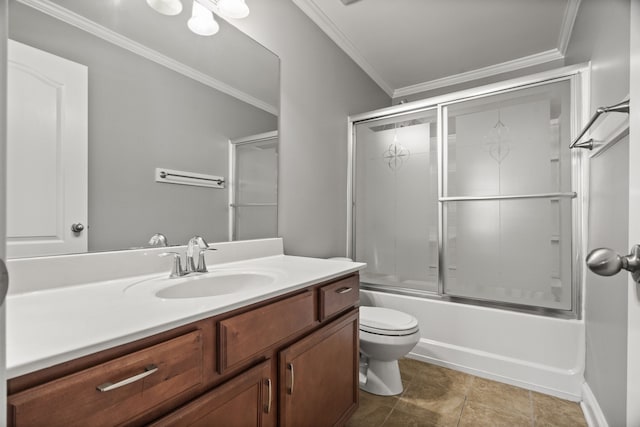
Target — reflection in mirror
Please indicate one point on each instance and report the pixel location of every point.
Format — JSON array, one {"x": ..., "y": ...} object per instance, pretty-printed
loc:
[
  {"x": 101, "y": 94},
  {"x": 253, "y": 197}
]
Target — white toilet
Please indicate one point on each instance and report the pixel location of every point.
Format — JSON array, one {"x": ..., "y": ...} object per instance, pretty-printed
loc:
[{"x": 385, "y": 336}]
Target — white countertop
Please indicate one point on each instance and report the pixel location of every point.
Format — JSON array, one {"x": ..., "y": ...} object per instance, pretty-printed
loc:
[{"x": 51, "y": 326}]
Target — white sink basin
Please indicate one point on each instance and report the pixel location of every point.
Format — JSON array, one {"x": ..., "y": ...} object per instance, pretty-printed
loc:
[
  {"x": 213, "y": 284},
  {"x": 208, "y": 286}
]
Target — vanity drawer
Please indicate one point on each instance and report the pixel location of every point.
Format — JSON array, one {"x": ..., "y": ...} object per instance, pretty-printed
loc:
[
  {"x": 246, "y": 335},
  {"x": 338, "y": 296},
  {"x": 148, "y": 377}
]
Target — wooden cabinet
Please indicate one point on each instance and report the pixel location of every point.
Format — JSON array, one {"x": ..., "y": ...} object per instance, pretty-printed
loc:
[
  {"x": 248, "y": 334},
  {"x": 113, "y": 392},
  {"x": 247, "y": 400},
  {"x": 291, "y": 361},
  {"x": 338, "y": 296},
  {"x": 319, "y": 376}
]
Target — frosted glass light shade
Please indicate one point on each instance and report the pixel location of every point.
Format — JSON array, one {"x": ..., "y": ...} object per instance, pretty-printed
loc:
[
  {"x": 236, "y": 9},
  {"x": 202, "y": 21},
  {"x": 166, "y": 7}
]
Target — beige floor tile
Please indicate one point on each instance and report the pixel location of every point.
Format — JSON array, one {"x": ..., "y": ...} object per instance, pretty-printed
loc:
[
  {"x": 409, "y": 369},
  {"x": 434, "y": 403},
  {"x": 501, "y": 397},
  {"x": 369, "y": 417},
  {"x": 399, "y": 418},
  {"x": 455, "y": 381},
  {"x": 550, "y": 411},
  {"x": 373, "y": 410},
  {"x": 476, "y": 415},
  {"x": 436, "y": 396},
  {"x": 369, "y": 398}
]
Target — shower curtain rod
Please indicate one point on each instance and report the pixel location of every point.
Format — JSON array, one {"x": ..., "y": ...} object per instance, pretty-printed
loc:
[{"x": 622, "y": 107}]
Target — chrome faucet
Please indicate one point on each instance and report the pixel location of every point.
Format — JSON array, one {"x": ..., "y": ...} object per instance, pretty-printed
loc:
[
  {"x": 176, "y": 268},
  {"x": 196, "y": 248}
]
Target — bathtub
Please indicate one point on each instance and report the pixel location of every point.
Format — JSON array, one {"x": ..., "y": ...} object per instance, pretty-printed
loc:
[{"x": 534, "y": 352}]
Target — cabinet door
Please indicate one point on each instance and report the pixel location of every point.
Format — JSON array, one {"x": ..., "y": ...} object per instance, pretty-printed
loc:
[
  {"x": 245, "y": 401},
  {"x": 319, "y": 376},
  {"x": 117, "y": 392}
]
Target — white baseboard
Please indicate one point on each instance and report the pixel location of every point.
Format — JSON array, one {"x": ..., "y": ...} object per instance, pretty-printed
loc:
[
  {"x": 592, "y": 411},
  {"x": 565, "y": 384}
]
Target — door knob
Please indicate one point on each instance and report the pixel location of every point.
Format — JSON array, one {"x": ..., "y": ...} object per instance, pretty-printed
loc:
[
  {"x": 77, "y": 228},
  {"x": 606, "y": 262},
  {"x": 4, "y": 281}
]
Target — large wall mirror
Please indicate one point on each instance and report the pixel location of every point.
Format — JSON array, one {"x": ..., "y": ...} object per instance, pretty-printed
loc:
[{"x": 147, "y": 96}]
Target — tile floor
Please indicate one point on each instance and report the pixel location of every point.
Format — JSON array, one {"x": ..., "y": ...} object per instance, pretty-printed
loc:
[{"x": 436, "y": 396}]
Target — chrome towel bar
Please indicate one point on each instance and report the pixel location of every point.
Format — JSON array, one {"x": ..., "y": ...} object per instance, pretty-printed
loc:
[{"x": 622, "y": 107}]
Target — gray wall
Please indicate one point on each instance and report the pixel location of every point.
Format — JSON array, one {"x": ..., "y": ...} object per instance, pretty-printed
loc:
[
  {"x": 320, "y": 87},
  {"x": 143, "y": 116},
  {"x": 601, "y": 35}
]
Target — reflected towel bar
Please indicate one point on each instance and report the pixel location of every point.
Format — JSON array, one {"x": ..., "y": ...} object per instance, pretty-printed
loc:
[
  {"x": 622, "y": 107},
  {"x": 570, "y": 195},
  {"x": 170, "y": 176}
]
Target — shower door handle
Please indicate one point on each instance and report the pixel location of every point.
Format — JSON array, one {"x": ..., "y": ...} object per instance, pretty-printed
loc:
[{"x": 606, "y": 262}]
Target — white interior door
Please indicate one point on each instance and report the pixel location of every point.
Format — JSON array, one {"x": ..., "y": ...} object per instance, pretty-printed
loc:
[
  {"x": 46, "y": 153},
  {"x": 633, "y": 345}
]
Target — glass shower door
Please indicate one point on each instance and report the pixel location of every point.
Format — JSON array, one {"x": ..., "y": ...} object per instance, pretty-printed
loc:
[
  {"x": 254, "y": 192},
  {"x": 506, "y": 197},
  {"x": 396, "y": 217}
]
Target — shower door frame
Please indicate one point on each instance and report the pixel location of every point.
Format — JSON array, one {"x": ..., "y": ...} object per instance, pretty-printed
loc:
[
  {"x": 232, "y": 185},
  {"x": 579, "y": 78}
]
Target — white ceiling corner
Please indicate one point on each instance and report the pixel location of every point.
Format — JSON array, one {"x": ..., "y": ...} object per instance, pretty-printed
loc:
[
  {"x": 570, "y": 14},
  {"x": 329, "y": 26},
  {"x": 338, "y": 37}
]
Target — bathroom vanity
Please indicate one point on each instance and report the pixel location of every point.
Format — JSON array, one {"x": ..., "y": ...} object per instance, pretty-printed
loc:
[{"x": 283, "y": 354}]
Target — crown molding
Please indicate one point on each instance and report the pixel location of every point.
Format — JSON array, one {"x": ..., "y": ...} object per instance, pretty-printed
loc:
[
  {"x": 65, "y": 15},
  {"x": 330, "y": 29},
  {"x": 570, "y": 13},
  {"x": 310, "y": 8},
  {"x": 480, "y": 73}
]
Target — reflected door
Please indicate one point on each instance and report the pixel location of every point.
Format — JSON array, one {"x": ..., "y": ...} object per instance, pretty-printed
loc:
[
  {"x": 46, "y": 153},
  {"x": 254, "y": 187}
]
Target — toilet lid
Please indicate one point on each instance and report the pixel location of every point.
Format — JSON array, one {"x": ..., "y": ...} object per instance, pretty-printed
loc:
[{"x": 385, "y": 321}]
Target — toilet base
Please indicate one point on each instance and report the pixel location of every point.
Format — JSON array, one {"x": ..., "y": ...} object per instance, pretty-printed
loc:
[{"x": 383, "y": 378}]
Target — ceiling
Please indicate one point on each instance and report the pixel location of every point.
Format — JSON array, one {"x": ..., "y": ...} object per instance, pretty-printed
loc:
[{"x": 411, "y": 46}]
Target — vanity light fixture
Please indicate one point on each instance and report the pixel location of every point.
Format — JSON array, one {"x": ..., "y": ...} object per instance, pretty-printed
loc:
[
  {"x": 166, "y": 7},
  {"x": 202, "y": 21},
  {"x": 236, "y": 9}
]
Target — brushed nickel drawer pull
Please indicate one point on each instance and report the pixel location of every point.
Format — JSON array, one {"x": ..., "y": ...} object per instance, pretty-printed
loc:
[
  {"x": 148, "y": 370},
  {"x": 292, "y": 378},
  {"x": 344, "y": 290},
  {"x": 267, "y": 407}
]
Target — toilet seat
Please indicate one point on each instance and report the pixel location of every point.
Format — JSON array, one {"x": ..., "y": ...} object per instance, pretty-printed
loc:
[{"x": 384, "y": 321}]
